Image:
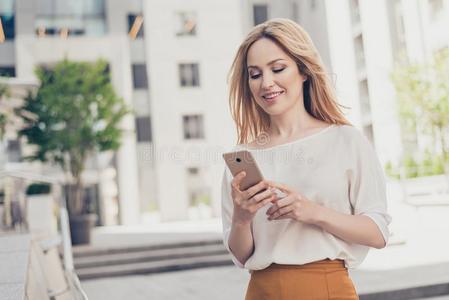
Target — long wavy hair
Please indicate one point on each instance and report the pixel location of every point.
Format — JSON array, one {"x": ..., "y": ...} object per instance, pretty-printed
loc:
[{"x": 319, "y": 96}]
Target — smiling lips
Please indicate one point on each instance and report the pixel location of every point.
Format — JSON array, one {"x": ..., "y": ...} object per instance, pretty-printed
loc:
[{"x": 272, "y": 96}]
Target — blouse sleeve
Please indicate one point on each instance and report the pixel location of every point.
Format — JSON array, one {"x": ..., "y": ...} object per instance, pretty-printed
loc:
[
  {"x": 367, "y": 188},
  {"x": 227, "y": 209}
]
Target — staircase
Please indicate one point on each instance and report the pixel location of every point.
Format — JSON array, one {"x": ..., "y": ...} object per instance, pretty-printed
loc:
[{"x": 92, "y": 262}]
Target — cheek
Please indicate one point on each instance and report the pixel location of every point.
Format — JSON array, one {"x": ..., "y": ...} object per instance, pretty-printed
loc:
[
  {"x": 253, "y": 87},
  {"x": 293, "y": 84}
]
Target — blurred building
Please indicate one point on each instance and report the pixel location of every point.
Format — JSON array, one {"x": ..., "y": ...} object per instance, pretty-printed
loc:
[
  {"x": 360, "y": 41},
  {"x": 169, "y": 60}
]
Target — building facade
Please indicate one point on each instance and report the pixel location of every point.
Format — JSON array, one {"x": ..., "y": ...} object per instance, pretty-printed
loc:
[{"x": 169, "y": 60}]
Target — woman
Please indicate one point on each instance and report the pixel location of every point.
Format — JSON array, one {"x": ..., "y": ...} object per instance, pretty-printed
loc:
[{"x": 299, "y": 243}]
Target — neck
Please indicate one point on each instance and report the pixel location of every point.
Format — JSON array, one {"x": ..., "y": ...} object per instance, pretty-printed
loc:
[{"x": 291, "y": 123}]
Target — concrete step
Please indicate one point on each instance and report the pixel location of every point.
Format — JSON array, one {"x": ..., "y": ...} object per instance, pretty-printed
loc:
[
  {"x": 136, "y": 256},
  {"x": 174, "y": 264},
  {"x": 89, "y": 250},
  {"x": 93, "y": 262}
]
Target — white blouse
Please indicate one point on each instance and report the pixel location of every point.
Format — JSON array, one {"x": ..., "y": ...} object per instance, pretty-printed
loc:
[{"x": 337, "y": 168}]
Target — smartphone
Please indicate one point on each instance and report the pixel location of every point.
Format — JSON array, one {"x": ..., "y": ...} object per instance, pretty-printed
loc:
[{"x": 243, "y": 161}]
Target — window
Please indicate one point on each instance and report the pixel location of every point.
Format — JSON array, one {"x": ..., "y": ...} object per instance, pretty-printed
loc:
[
  {"x": 143, "y": 129},
  {"x": 193, "y": 171},
  {"x": 189, "y": 75},
  {"x": 135, "y": 26},
  {"x": 359, "y": 51},
  {"x": 193, "y": 127},
  {"x": 436, "y": 7},
  {"x": 186, "y": 24},
  {"x": 140, "y": 80},
  {"x": 260, "y": 13},
  {"x": 369, "y": 133},
  {"x": 14, "y": 151},
  {"x": 355, "y": 11},
  {"x": 7, "y": 72},
  {"x": 7, "y": 27},
  {"x": 70, "y": 17}
]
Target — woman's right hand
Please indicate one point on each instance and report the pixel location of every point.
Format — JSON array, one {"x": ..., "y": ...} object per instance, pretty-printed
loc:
[{"x": 249, "y": 201}]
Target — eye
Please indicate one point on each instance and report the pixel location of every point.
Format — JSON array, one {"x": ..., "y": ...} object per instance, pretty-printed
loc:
[
  {"x": 254, "y": 76},
  {"x": 278, "y": 70}
]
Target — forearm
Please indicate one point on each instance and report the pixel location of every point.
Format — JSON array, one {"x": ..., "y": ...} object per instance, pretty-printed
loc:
[
  {"x": 357, "y": 229},
  {"x": 241, "y": 241}
]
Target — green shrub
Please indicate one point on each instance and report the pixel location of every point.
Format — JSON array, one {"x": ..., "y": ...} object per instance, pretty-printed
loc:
[{"x": 38, "y": 189}]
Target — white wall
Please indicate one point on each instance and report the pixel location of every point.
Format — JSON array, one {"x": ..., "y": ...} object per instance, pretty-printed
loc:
[
  {"x": 341, "y": 49},
  {"x": 379, "y": 65},
  {"x": 218, "y": 34}
]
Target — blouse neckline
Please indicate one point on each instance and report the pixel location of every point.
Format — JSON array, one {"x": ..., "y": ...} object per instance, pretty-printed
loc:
[{"x": 297, "y": 141}]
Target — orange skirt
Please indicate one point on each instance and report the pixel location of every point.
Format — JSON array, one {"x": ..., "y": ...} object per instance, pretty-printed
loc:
[{"x": 324, "y": 279}]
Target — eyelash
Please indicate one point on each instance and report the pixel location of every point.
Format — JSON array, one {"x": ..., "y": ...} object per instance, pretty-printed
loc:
[{"x": 274, "y": 71}]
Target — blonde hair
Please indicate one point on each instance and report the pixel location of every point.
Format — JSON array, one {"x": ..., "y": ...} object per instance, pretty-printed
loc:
[{"x": 319, "y": 96}]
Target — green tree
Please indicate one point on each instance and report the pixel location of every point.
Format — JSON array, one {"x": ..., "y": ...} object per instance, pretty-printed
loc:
[
  {"x": 423, "y": 93},
  {"x": 4, "y": 93},
  {"x": 77, "y": 114}
]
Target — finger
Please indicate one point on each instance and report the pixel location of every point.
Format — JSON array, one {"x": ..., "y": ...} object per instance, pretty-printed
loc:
[
  {"x": 282, "y": 187},
  {"x": 263, "y": 203},
  {"x": 268, "y": 193},
  {"x": 280, "y": 203},
  {"x": 235, "y": 183},
  {"x": 280, "y": 212},
  {"x": 289, "y": 215},
  {"x": 262, "y": 185}
]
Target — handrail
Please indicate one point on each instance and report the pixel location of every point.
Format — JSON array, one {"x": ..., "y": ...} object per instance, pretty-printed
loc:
[{"x": 72, "y": 279}]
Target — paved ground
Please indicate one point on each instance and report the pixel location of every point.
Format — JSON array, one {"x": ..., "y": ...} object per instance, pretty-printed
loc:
[
  {"x": 420, "y": 255},
  {"x": 224, "y": 283}
]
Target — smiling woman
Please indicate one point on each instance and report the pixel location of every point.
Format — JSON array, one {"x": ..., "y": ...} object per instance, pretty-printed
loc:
[{"x": 299, "y": 243}]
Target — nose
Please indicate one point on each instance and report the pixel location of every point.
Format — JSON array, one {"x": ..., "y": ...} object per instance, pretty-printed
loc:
[{"x": 267, "y": 81}]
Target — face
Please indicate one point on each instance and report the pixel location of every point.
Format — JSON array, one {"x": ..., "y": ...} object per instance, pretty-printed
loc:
[{"x": 274, "y": 78}]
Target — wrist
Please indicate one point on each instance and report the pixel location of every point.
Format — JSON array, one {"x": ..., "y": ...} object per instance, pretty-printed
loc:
[
  {"x": 321, "y": 216},
  {"x": 241, "y": 223}
]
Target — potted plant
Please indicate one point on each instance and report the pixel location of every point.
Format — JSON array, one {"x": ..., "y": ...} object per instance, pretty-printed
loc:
[{"x": 77, "y": 115}]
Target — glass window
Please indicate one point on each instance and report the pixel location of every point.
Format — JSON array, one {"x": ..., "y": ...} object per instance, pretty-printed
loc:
[
  {"x": 260, "y": 13},
  {"x": 135, "y": 26},
  {"x": 7, "y": 71},
  {"x": 143, "y": 129},
  {"x": 186, "y": 23},
  {"x": 369, "y": 133},
  {"x": 140, "y": 76},
  {"x": 14, "y": 151},
  {"x": 436, "y": 7},
  {"x": 359, "y": 51},
  {"x": 70, "y": 17},
  {"x": 7, "y": 27},
  {"x": 355, "y": 11},
  {"x": 189, "y": 75},
  {"x": 70, "y": 7},
  {"x": 193, "y": 127}
]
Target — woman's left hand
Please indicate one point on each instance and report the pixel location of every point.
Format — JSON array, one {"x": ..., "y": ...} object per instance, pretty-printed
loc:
[{"x": 293, "y": 206}]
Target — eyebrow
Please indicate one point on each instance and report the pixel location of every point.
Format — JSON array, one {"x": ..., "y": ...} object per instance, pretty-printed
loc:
[{"x": 271, "y": 62}]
